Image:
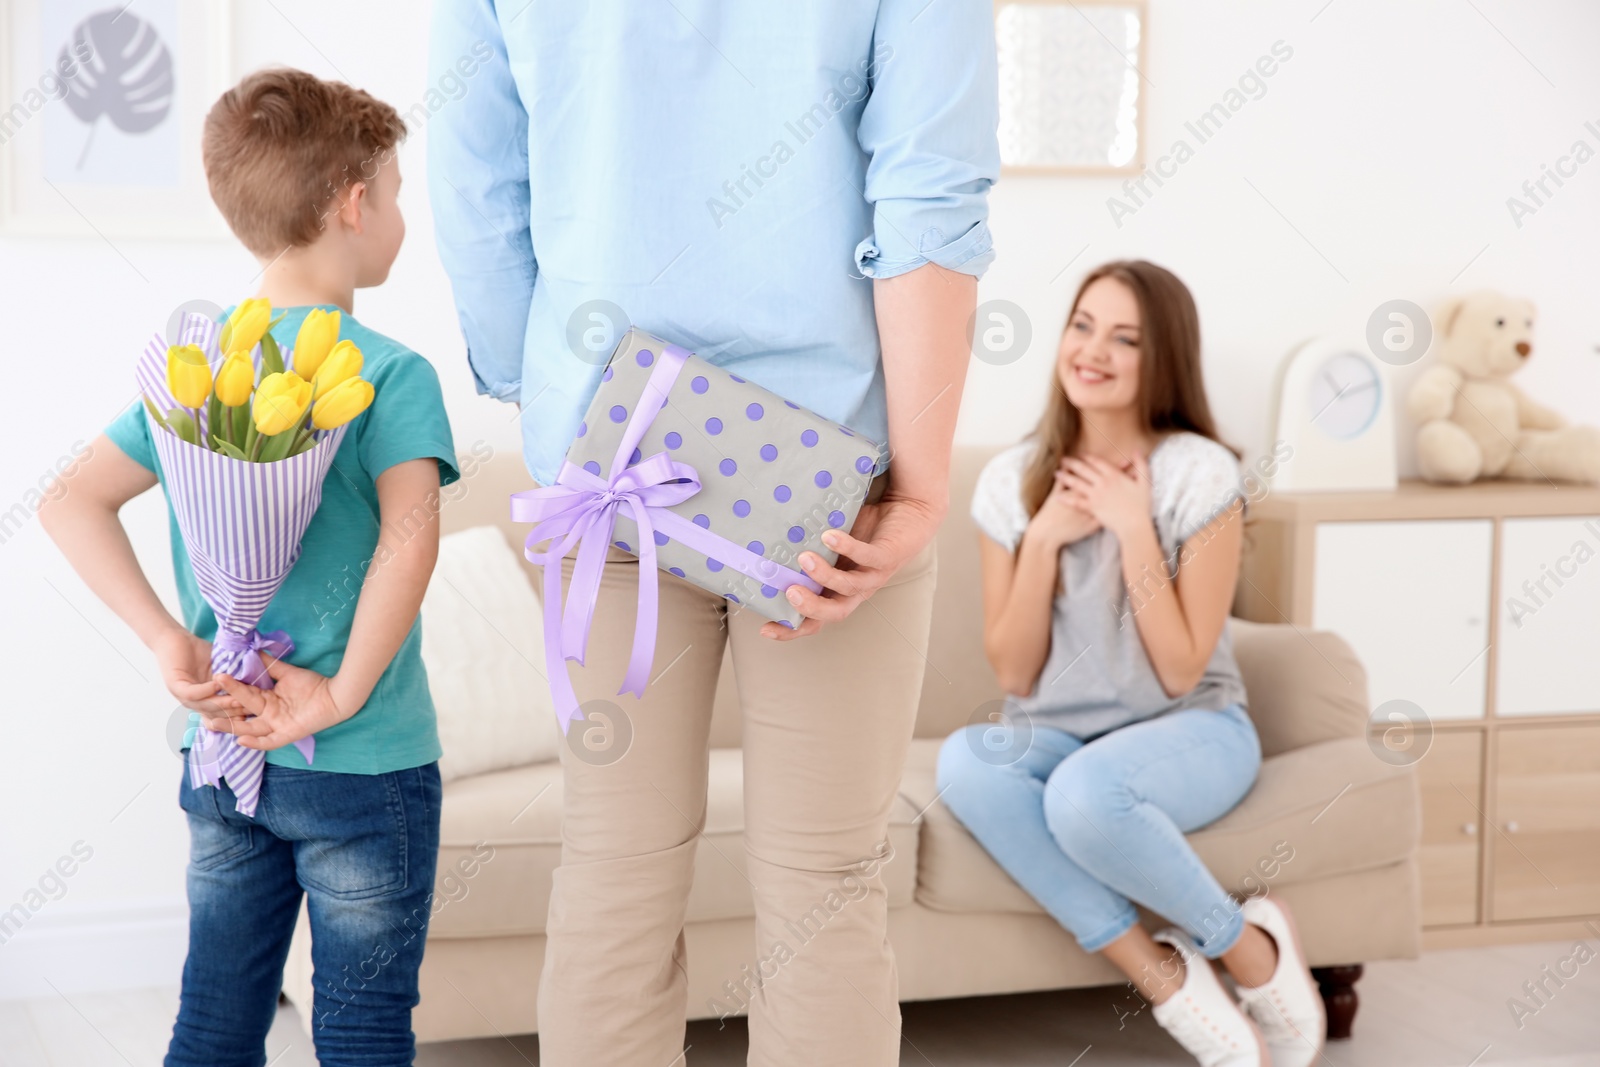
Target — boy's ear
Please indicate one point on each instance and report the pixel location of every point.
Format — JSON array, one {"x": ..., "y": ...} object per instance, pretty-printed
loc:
[{"x": 351, "y": 204}]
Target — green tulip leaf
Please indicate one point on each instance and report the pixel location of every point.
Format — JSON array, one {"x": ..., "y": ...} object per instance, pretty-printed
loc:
[
  {"x": 213, "y": 413},
  {"x": 227, "y": 448},
  {"x": 271, "y": 356},
  {"x": 182, "y": 424},
  {"x": 160, "y": 418}
]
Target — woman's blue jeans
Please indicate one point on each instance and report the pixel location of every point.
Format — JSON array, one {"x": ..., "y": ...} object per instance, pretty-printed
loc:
[
  {"x": 362, "y": 848},
  {"x": 1088, "y": 827}
]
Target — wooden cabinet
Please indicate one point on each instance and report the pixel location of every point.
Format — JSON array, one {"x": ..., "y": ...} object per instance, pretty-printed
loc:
[
  {"x": 1481, "y": 605},
  {"x": 1546, "y": 844}
]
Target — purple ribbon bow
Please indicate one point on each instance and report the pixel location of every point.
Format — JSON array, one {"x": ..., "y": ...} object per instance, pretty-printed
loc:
[
  {"x": 581, "y": 508},
  {"x": 213, "y": 755}
]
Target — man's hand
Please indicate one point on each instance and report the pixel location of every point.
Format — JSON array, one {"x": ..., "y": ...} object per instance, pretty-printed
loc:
[
  {"x": 185, "y": 662},
  {"x": 885, "y": 536},
  {"x": 300, "y": 703}
]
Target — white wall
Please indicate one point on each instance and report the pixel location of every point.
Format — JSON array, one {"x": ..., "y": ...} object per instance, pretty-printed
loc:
[{"x": 1390, "y": 141}]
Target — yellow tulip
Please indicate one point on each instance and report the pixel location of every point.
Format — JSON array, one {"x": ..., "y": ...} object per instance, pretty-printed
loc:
[
  {"x": 235, "y": 379},
  {"x": 281, "y": 401},
  {"x": 341, "y": 403},
  {"x": 316, "y": 337},
  {"x": 188, "y": 375},
  {"x": 343, "y": 363},
  {"x": 246, "y": 325}
]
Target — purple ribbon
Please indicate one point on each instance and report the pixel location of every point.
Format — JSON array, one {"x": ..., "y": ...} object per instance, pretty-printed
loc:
[
  {"x": 213, "y": 754},
  {"x": 581, "y": 508}
]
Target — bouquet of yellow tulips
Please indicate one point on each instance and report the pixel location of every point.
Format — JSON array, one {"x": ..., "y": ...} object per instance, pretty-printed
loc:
[
  {"x": 226, "y": 394},
  {"x": 258, "y": 409}
]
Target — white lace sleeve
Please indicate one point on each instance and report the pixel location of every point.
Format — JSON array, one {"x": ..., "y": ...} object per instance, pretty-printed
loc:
[
  {"x": 997, "y": 505},
  {"x": 1195, "y": 481}
]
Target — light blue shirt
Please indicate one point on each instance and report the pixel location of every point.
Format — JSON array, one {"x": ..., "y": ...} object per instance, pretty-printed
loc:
[{"x": 727, "y": 175}]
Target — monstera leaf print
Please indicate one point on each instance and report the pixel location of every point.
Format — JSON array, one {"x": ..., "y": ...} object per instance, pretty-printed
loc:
[{"x": 127, "y": 77}]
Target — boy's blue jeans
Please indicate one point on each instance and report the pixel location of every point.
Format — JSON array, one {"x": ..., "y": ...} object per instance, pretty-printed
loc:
[
  {"x": 1087, "y": 827},
  {"x": 362, "y": 848}
]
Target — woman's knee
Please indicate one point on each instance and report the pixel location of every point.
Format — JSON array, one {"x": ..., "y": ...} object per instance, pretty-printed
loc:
[{"x": 1083, "y": 807}]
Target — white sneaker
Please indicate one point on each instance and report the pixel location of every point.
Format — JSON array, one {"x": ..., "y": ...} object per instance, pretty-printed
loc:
[
  {"x": 1203, "y": 1018},
  {"x": 1288, "y": 1007}
]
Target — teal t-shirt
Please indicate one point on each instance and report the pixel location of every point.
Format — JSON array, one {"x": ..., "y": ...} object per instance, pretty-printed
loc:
[{"x": 396, "y": 729}]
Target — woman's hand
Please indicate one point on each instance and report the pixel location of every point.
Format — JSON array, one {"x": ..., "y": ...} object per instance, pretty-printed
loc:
[
  {"x": 1061, "y": 520},
  {"x": 884, "y": 537},
  {"x": 185, "y": 662},
  {"x": 300, "y": 703},
  {"x": 1118, "y": 498}
]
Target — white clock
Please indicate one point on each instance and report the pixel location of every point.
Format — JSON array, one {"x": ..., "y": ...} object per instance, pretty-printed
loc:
[{"x": 1335, "y": 412}]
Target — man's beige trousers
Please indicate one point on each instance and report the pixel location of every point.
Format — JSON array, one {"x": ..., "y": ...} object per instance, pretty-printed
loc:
[{"x": 827, "y": 721}]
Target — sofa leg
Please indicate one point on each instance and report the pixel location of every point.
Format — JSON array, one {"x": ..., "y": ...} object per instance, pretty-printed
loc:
[{"x": 1338, "y": 986}]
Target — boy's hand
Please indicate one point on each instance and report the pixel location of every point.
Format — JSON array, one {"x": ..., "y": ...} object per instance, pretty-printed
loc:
[
  {"x": 185, "y": 662},
  {"x": 299, "y": 704}
]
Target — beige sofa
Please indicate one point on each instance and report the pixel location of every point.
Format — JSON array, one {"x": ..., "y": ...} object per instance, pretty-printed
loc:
[{"x": 960, "y": 926}]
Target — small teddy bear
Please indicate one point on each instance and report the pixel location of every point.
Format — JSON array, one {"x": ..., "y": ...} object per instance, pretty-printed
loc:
[{"x": 1472, "y": 422}]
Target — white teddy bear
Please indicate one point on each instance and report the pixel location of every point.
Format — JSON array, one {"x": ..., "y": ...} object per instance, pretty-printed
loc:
[{"x": 1472, "y": 422}]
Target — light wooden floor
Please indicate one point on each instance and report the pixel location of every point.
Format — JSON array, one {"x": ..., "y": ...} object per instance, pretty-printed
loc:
[{"x": 1448, "y": 1009}]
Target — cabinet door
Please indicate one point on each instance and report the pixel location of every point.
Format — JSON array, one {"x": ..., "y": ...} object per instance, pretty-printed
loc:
[
  {"x": 1451, "y": 776},
  {"x": 1546, "y": 844},
  {"x": 1412, "y": 598},
  {"x": 1549, "y": 647}
]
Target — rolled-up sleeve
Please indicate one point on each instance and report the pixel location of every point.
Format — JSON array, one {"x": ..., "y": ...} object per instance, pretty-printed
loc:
[
  {"x": 929, "y": 127},
  {"x": 479, "y": 187}
]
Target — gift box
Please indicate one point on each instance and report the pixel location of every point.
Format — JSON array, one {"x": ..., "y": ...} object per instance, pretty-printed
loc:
[{"x": 699, "y": 473}]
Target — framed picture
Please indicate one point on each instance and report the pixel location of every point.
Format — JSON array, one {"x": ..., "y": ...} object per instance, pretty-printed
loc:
[
  {"x": 101, "y": 108},
  {"x": 1072, "y": 85}
]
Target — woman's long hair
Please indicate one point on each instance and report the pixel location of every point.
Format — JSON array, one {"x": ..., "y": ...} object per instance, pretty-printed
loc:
[{"x": 1172, "y": 394}]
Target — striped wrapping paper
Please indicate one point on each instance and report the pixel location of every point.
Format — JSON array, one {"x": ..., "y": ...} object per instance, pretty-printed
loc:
[{"x": 241, "y": 524}]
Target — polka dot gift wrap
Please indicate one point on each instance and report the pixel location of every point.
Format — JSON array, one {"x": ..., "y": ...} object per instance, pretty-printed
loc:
[{"x": 774, "y": 477}]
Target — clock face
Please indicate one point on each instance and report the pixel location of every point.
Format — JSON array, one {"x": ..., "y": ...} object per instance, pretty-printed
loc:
[{"x": 1345, "y": 395}]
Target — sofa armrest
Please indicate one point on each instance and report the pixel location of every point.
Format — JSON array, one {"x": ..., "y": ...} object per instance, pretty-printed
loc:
[{"x": 1303, "y": 686}]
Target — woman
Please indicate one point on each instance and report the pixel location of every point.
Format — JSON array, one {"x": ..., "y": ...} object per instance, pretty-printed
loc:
[{"x": 1110, "y": 545}]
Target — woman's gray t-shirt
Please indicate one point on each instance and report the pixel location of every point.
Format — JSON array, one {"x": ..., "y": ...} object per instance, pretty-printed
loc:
[{"x": 1097, "y": 675}]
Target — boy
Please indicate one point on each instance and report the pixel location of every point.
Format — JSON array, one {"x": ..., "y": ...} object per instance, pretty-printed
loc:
[{"x": 305, "y": 173}]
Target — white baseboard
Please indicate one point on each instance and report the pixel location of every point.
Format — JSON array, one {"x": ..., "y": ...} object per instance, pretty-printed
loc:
[{"x": 90, "y": 948}]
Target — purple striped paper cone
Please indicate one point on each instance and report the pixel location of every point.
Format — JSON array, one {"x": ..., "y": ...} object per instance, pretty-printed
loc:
[{"x": 241, "y": 524}]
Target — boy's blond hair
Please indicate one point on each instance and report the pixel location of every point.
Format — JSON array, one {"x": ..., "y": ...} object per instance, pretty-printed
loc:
[{"x": 282, "y": 146}]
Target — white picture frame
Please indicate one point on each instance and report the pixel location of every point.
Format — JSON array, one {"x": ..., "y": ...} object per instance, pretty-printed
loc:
[
  {"x": 1073, "y": 92},
  {"x": 109, "y": 147}
]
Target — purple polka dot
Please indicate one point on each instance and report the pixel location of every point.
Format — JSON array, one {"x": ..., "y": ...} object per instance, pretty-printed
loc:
[
  {"x": 606, "y": 377},
  {"x": 836, "y": 519},
  {"x": 713, "y": 565},
  {"x": 864, "y": 464},
  {"x": 782, "y": 494},
  {"x": 768, "y": 592},
  {"x": 797, "y": 534},
  {"x": 661, "y": 538},
  {"x": 769, "y": 452},
  {"x": 699, "y": 384},
  {"x": 583, "y": 428},
  {"x": 809, "y": 438},
  {"x": 674, "y": 439},
  {"x": 741, "y": 508},
  {"x": 622, "y": 545},
  {"x": 727, "y": 466},
  {"x": 592, "y": 467},
  {"x": 786, "y": 622},
  {"x": 845, "y": 430},
  {"x": 645, "y": 357},
  {"x": 736, "y": 378},
  {"x": 731, "y": 597},
  {"x": 792, "y": 404},
  {"x": 678, "y": 571},
  {"x": 823, "y": 479},
  {"x": 757, "y": 547},
  {"x": 618, "y": 413},
  {"x": 703, "y": 521},
  {"x": 754, "y": 412},
  {"x": 637, "y": 455},
  {"x": 713, "y": 426}
]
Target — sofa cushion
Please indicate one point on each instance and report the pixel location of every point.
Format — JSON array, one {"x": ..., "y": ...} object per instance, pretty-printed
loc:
[
  {"x": 1326, "y": 809},
  {"x": 1305, "y": 686},
  {"x": 500, "y": 839}
]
